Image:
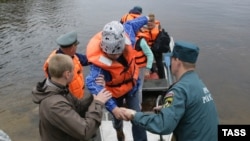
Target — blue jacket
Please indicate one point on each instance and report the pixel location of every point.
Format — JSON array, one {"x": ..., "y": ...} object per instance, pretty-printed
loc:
[
  {"x": 131, "y": 28},
  {"x": 191, "y": 114}
]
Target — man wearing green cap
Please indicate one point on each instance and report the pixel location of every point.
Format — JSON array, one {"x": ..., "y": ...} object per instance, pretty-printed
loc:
[
  {"x": 68, "y": 45},
  {"x": 188, "y": 108}
]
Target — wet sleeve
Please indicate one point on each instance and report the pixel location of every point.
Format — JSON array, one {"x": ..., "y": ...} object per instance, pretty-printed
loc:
[
  {"x": 83, "y": 59},
  {"x": 148, "y": 53}
]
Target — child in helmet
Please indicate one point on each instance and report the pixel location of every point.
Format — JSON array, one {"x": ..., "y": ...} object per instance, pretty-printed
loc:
[{"x": 112, "y": 55}]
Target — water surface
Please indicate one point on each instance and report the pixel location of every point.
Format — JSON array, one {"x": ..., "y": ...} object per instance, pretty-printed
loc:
[{"x": 28, "y": 29}]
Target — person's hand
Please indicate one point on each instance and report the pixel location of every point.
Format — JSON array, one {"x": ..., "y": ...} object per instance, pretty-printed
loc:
[
  {"x": 147, "y": 74},
  {"x": 157, "y": 109},
  {"x": 128, "y": 113},
  {"x": 103, "y": 96},
  {"x": 119, "y": 113},
  {"x": 100, "y": 80}
]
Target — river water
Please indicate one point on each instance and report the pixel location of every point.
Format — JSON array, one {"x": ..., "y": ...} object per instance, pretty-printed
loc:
[{"x": 28, "y": 29}]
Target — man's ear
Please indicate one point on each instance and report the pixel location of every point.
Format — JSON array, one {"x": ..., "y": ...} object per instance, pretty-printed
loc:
[{"x": 66, "y": 74}]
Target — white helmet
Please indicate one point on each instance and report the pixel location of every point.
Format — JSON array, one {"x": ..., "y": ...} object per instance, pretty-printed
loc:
[{"x": 113, "y": 38}]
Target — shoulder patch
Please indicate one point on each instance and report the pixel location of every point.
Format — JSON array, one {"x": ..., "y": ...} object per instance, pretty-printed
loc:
[{"x": 168, "y": 99}]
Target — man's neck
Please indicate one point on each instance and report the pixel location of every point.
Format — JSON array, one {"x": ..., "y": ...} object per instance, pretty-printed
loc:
[
  {"x": 60, "y": 81},
  {"x": 182, "y": 71}
]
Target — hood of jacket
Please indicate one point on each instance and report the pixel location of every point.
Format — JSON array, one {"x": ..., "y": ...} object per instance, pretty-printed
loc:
[{"x": 47, "y": 88}]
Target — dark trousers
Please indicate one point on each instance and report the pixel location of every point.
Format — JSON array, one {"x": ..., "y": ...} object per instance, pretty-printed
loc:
[{"x": 159, "y": 65}]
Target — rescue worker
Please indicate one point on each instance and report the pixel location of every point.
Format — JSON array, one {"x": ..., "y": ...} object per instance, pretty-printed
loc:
[
  {"x": 111, "y": 54},
  {"x": 135, "y": 12},
  {"x": 68, "y": 45},
  {"x": 188, "y": 108},
  {"x": 62, "y": 116}
]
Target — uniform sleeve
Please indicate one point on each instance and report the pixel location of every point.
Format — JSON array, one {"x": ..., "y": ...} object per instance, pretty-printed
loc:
[
  {"x": 131, "y": 27},
  {"x": 64, "y": 117},
  {"x": 83, "y": 59},
  {"x": 166, "y": 120},
  {"x": 94, "y": 88},
  {"x": 148, "y": 53}
]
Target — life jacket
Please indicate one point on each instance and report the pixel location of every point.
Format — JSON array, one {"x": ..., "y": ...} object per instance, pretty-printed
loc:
[
  {"x": 129, "y": 16},
  {"x": 140, "y": 57},
  {"x": 151, "y": 35},
  {"x": 123, "y": 79},
  {"x": 76, "y": 86}
]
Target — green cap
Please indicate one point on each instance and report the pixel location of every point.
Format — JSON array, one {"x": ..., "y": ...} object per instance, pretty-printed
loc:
[
  {"x": 68, "y": 39},
  {"x": 185, "y": 51}
]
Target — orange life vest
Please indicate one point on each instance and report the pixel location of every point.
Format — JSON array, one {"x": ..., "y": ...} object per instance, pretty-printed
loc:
[
  {"x": 150, "y": 35},
  {"x": 140, "y": 57},
  {"x": 123, "y": 78},
  {"x": 76, "y": 86},
  {"x": 129, "y": 16}
]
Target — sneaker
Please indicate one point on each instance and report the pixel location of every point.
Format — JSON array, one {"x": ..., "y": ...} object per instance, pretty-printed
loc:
[{"x": 120, "y": 135}]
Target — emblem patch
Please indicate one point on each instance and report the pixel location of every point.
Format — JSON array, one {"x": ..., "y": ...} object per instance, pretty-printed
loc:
[{"x": 168, "y": 99}]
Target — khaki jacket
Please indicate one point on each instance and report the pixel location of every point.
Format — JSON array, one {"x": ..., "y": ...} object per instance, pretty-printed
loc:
[{"x": 62, "y": 116}]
